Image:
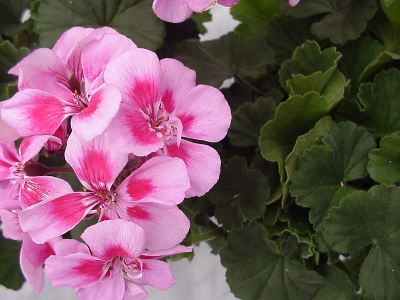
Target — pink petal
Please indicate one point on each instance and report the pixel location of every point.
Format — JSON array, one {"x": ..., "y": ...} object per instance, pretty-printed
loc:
[
  {"x": 202, "y": 162},
  {"x": 69, "y": 246},
  {"x": 53, "y": 218},
  {"x": 137, "y": 74},
  {"x": 130, "y": 132},
  {"x": 40, "y": 61},
  {"x": 157, "y": 274},
  {"x": 42, "y": 188},
  {"x": 93, "y": 120},
  {"x": 74, "y": 270},
  {"x": 10, "y": 225},
  {"x": 48, "y": 82},
  {"x": 175, "y": 87},
  {"x": 31, "y": 146},
  {"x": 160, "y": 179},
  {"x": 134, "y": 291},
  {"x": 7, "y": 132},
  {"x": 33, "y": 112},
  {"x": 200, "y": 6},
  {"x": 67, "y": 41},
  {"x": 94, "y": 162},
  {"x": 227, "y": 3},
  {"x": 177, "y": 249},
  {"x": 110, "y": 288},
  {"x": 164, "y": 225},
  {"x": 98, "y": 53},
  {"x": 204, "y": 113},
  {"x": 294, "y": 2},
  {"x": 173, "y": 11},
  {"x": 9, "y": 193},
  {"x": 112, "y": 238}
]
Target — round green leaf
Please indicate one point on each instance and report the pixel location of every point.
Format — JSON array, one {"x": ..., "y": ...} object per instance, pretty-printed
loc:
[
  {"x": 133, "y": 18},
  {"x": 384, "y": 165},
  {"x": 370, "y": 218},
  {"x": 321, "y": 179},
  {"x": 255, "y": 269}
]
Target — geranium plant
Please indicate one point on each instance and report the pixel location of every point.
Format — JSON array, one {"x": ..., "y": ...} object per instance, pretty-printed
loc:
[{"x": 123, "y": 146}]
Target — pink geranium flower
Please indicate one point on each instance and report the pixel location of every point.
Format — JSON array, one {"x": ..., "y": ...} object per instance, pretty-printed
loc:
[
  {"x": 114, "y": 265},
  {"x": 147, "y": 197},
  {"x": 67, "y": 81},
  {"x": 176, "y": 11},
  {"x": 19, "y": 189},
  {"x": 161, "y": 107}
]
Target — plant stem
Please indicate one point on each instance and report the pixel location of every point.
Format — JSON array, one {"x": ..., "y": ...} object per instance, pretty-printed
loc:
[
  {"x": 248, "y": 84},
  {"x": 56, "y": 170},
  {"x": 195, "y": 239}
]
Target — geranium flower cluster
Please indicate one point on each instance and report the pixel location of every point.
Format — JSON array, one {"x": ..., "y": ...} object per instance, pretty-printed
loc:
[{"x": 126, "y": 124}]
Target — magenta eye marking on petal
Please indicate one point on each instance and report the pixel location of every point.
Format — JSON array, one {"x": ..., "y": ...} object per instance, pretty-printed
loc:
[
  {"x": 116, "y": 250},
  {"x": 138, "y": 213},
  {"x": 91, "y": 270},
  {"x": 168, "y": 101},
  {"x": 139, "y": 189}
]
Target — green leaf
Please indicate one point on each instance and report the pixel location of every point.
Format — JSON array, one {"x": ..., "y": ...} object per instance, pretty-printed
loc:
[
  {"x": 378, "y": 110},
  {"x": 10, "y": 272},
  {"x": 384, "y": 164},
  {"x": 248, "y": 120},
  {"x": 204, "y": 17},
  {"x": 294, "y": 117},
  {"x": 370, "y": 218},
  {"x": 254, "y": 16},
  {"x": 303, "y": 142},
  {"x": 336, "y": 286},
  {"x": 217, "y": 60},
  {"x": 240, "y": 194},
  {"x": 392, "y": 10},
  {"x": 255, "y": 269},
  {"x": 315, "y": 66},
  {"x": 324, "y": 171},
  {"x": 133, "y": 18},
  {"x": 284, "y": 35},
  {"x": 342, "y": 20}
]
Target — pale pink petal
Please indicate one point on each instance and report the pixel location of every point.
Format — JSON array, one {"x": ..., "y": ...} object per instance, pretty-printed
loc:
[
  {"x": 47, "y": 82},
  {"x": 110, "y": 288},
  {"x": 294, "y": 2},
  {"x": 11, "y": 227},
  {"x": 177, "y": 249},
  {"x": 42, "y": 188},
  {"x": 31, "y": 146},
  {"x": 94, "y": 162},
  {"x": 112, "y": 238},
  {"x": 98, "y": 53},
  {"x": 74, "y": 270},
  {"x": 70, "y": 246},
  {"x": 129, "y": 132},
  {"x": 42, "y": 60},
  {"x": 173, "y": 11},
  {"x": 33, "y": 112},
  {"x": 67, "y": 41},
  {"x": 157, "y": 274},
  {"x": 134, "y": 291},
  {"x": 7, "y": 132},
  {"x": 160, "y": 179},
  {"x": 137, "y": 74},
  {"x": 174, "y": 86},
  {"x": 93, "y": 120},
  {"x": 202, "y": 162},
  {"x": 53, "y": 218},
  {"x": 32, "y": 257},
  {"x": 204, "y": 113},
  {"x": 164, "y": 225},
  {"x": 227, "y": 3},
  {"x": 200, "y": 6},
  {"x": 9, "y": 195}
]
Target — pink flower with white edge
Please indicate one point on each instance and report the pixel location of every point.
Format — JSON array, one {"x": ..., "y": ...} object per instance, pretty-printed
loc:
[
  {"x": 67, "y": 81},
  {"x": 148, "y": 196},
  {"x": 176, "y": 11},
  {"x": 32, "y": 256},
  {"x": 114, "y": 265},
  {"x": 161, "y": 107},
  {"x": 18, "y": 187}
]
